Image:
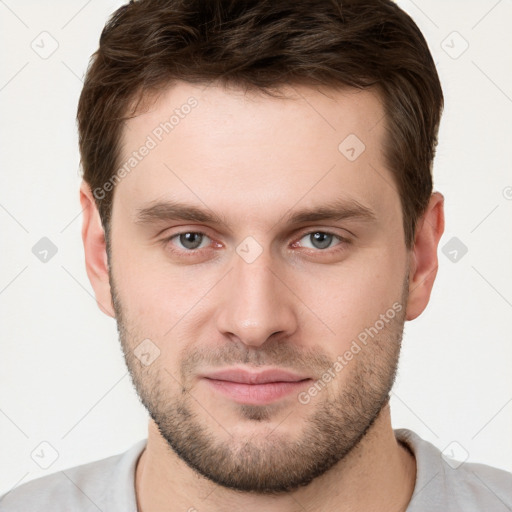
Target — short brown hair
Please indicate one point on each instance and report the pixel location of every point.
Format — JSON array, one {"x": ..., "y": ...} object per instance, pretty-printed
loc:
[{"x": 147, "y": 45}]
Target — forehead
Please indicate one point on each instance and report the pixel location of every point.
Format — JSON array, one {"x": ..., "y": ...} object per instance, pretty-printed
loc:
[{"x": 247, "y": 154}]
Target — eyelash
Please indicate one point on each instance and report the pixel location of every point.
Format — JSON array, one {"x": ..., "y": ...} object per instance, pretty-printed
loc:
[{"x": 194, "y": 252}]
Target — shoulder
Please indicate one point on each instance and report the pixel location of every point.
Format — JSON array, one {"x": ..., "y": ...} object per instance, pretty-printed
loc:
[
  {"x": 485, "y": 487},
  {"x": 88, "y": 487},
  {"x": 445, "y": 484}
]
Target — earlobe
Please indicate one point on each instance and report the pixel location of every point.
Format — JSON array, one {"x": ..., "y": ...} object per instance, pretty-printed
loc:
[
  {"x": 424, "y": 262},
  {"x": 96, "y": 261}
]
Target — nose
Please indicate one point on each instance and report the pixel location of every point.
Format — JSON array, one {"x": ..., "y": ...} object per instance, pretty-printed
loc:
[{"x": 256, "y": 302}]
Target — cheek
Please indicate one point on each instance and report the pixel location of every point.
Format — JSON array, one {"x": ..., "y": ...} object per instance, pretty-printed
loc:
[
  {"x": 352, "y": 296},
  {"x": 158, "y": 299}
]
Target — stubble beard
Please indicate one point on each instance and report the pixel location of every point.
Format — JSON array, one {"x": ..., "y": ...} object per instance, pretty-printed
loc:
[{"x": 270, "y": 462}]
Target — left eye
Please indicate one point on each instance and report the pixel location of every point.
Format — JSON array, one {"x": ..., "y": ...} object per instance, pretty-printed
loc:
[
  {"x": 320, "y": 239},
  {"x": 190, "y": 240}
]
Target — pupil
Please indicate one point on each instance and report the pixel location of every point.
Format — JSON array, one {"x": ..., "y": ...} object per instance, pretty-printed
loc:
[
  {"x": 187, "y": 239},
  {"x": 322, "y": 240}
]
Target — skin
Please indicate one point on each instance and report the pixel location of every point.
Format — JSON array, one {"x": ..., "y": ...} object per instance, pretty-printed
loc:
[{"x": 253, "y": 159}]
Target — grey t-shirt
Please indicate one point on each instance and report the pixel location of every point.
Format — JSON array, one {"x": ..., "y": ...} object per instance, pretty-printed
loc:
[{"x": 108, "y": 485}]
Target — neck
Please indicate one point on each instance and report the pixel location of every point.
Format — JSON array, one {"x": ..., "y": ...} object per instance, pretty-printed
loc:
[{"x": 378, "y": 474}]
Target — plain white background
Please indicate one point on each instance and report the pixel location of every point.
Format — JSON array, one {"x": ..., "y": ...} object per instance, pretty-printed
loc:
[{"x": 63, "y": 378}]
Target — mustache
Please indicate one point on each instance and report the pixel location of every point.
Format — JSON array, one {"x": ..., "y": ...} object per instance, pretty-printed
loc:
[{"x": 281, "y": 354}]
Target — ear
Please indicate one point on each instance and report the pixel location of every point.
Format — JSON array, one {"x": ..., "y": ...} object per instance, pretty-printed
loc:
[
  {"x": 95, "y": 249},
  {"x": 423, "y": 256}
]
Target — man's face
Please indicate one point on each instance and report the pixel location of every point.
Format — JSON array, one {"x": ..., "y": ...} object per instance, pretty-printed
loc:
[{"x": 258, "y": 291}]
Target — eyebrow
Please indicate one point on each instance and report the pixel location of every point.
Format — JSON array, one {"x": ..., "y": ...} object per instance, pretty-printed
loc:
[{"x": 339, "y": 209}]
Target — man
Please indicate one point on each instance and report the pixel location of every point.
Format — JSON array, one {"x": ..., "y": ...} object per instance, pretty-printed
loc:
[{"x": 259, "y": 219}]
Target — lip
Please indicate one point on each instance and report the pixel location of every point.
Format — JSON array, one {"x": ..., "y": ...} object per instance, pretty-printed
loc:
[
  {"x": 261, "y": 377},
  {"x": 257, "y": 388}
]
